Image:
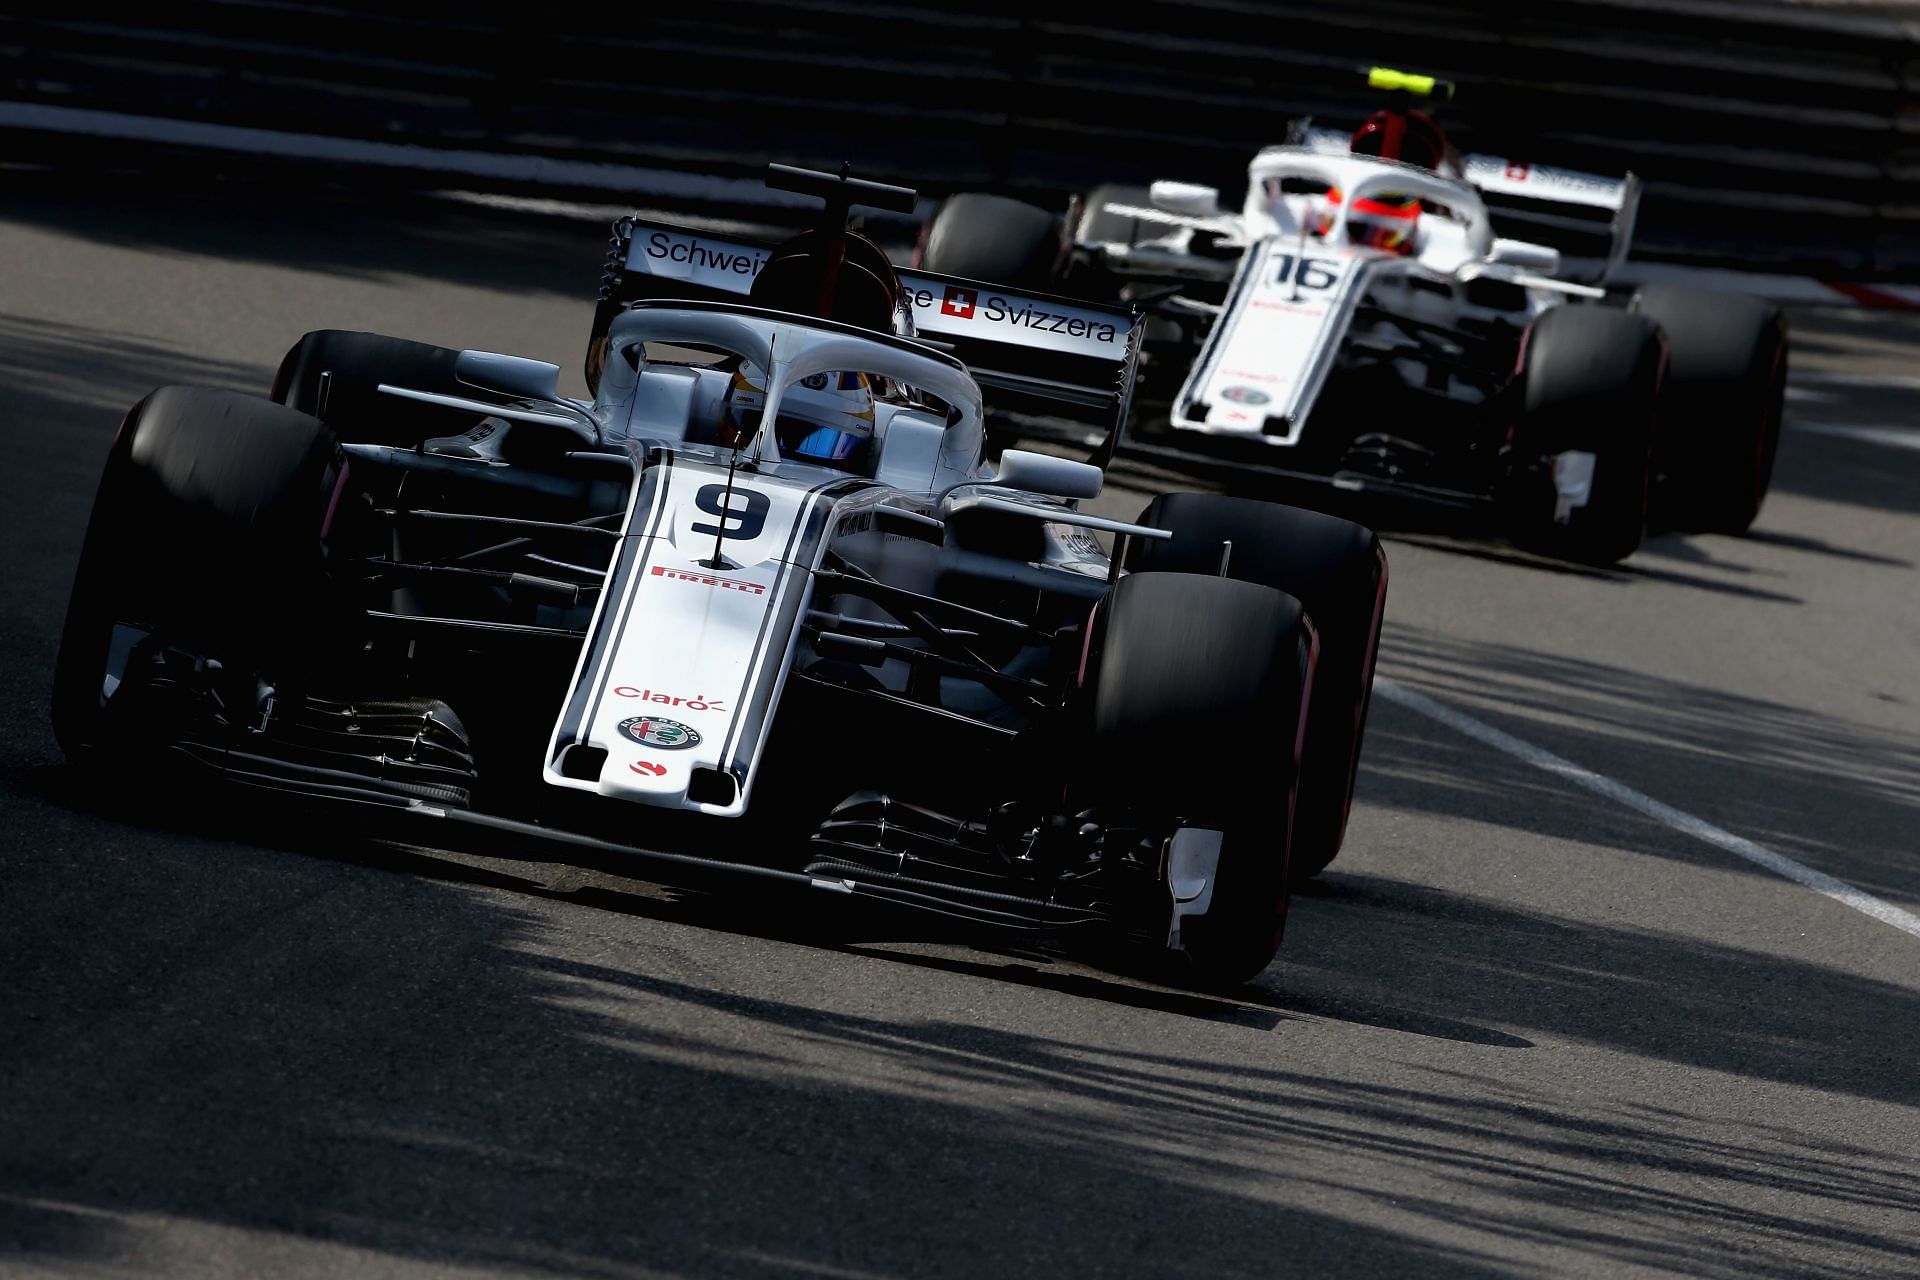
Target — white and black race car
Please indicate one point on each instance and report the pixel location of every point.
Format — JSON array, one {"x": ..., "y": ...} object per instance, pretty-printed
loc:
[
  {"x": 1360, "y": 321},
  {"x": 759, "y": 607}
]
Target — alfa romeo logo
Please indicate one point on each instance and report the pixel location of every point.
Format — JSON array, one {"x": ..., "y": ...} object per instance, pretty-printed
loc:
[
  {"x": 1244, "y": 395},
  {"x": 660, "y": 733}
]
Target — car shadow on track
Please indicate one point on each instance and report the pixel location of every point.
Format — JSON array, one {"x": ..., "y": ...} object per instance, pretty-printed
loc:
[
  {"x": 1064, "y": 963},
  {"x": 256, "y": 1053}
]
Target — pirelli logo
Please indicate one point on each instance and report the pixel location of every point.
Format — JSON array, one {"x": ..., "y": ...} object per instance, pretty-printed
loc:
[{"x": 708, "y": 580}]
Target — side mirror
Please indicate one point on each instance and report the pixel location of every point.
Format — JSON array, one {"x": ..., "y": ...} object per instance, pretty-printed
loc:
[
  {"x": 508, "y": 375},
  {"x": 1528, "y": 257},
  {"x": 1044, "y": 473},
  {"x": 1185, "y": 198}
]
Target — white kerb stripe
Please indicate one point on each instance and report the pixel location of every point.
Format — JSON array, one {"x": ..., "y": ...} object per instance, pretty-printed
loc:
[{"x": 1700, "y": 829}]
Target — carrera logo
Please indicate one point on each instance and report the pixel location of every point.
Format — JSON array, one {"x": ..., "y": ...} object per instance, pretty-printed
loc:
[
  {"x": 958, "y": 303},
  {"x": 669, "y": 700},
  {"x": 708, "y": 580}
]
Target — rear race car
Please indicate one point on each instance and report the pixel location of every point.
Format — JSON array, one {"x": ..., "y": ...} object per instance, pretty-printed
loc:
[
  {"x": 1361, "y": 322},
  {"x": 759, "y": 608}
]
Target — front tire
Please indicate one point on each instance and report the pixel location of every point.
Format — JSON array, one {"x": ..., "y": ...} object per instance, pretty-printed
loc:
[
  {"x": 1338, "y": 571},
  {"x": 205, "y": 540},
  {"x": 1583, "y": 447},
  {"x": 1196, "y": 720}
]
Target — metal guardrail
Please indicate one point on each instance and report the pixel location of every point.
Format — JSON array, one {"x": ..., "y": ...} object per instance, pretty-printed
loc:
[{"x": 1766, "y": 135}]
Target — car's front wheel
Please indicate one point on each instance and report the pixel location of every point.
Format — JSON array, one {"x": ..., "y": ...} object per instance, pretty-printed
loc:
[
  {"x": 1582, "y": 449},
  {"x": 1338, "y": 571},
  {"x": 202, "y": 567},
  {"x": 1197, "y": 703}
]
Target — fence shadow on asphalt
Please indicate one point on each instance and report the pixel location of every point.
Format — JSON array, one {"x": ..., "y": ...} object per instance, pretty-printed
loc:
[
  {"x": 431, "y": 1071},
  {"x": 322, "y": 228}
]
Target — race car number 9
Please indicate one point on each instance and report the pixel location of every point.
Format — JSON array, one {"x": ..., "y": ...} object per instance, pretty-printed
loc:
[
  {"x": 1308, "y": 273},
  {"x": 735, "y": 520}
]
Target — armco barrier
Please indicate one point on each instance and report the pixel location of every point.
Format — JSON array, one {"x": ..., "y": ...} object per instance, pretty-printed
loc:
[{"x": 1767, "y": 135}]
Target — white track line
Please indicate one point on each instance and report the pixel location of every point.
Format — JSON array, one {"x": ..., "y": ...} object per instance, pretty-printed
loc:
[
  {"x": 1686, "y": 823},
  {"x": 1889, "y": 437}
]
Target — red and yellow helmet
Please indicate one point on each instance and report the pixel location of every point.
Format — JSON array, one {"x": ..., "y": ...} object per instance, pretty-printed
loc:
[
  {"x": 1410, "y": 137},
  {"x": 1379, "y": 222}
]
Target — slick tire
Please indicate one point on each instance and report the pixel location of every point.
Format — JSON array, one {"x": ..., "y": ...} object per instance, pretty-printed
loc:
[
  {"x": 1720, "y": 409},
  {"x": 994, "y": 239},
  {"x": 1197, "y": 691},
  {"x": 1338, "y": 571},
  {"x": 205, "y": 535},
  {"x": 348, "y": 398},
  {"x": 1097, "y": 226},
  {"x": 1591, "y": 389}
]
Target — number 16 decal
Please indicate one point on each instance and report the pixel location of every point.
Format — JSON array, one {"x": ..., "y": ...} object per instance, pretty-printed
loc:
[
  {"x": 1309, "y": 273},
  {"x": 742, "y": 516}
]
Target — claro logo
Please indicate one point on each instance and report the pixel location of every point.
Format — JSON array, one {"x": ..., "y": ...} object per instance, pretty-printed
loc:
[
  {"x": 662, "y": 247},
  {"x": 698, "y": 703}
]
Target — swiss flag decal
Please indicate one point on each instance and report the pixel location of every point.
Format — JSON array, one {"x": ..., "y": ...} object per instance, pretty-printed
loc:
[{"x": 958, "y": 302}]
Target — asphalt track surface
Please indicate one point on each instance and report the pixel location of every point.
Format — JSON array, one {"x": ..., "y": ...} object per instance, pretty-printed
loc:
[{"x": 1518, "y": 1029}]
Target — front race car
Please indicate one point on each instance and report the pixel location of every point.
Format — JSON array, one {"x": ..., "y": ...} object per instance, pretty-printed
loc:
[{"x": 760, "y": 607}]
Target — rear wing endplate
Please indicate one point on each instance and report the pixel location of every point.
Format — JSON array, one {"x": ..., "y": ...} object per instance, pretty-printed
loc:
[{"x": 1042, "y": 353}]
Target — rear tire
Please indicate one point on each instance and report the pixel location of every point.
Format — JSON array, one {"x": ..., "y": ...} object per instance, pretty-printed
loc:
[
  {"x": 993, "y": 239},
  {"x": 206, "y": 535},
  {"x": 1591, "y": 386},
  {"x": 356, "y": 364},
  {"x": 1338, "y": 571},
  {"x": 1097, "y": 226},
  {"x": 1197, "y": 698},
  {"x": 1721, "y": 407}
]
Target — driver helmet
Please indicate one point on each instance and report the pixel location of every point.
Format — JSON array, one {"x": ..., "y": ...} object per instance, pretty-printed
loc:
[
  {"x": 826, "y": 417},
  {"x": 1385, "y": 221},
  {"x": 1410, "y": 137}
]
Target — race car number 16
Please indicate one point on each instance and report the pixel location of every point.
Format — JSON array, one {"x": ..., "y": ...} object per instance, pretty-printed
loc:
[{"x": 1308, "y": 273}]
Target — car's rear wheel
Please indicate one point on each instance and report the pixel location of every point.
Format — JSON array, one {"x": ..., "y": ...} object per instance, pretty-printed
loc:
[
  {"x": 1582, "y": 447},
  {"x": 994, "y": 239},
  {"x": 1197, "y": 688},
  {"x": 202, "y": 566},
  {"x": 1338, "y": 571},
  {"x": 335, "y": 375},
  {"x": 1721, "y": 406},
  {"x": 1097, "y": 225}
]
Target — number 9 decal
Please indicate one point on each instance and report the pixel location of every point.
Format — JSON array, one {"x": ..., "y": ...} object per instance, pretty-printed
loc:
[{"x": 743, "y": 517}]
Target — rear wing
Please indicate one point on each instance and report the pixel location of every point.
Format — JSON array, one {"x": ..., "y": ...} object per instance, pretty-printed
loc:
[
  {"x": 1043, "y": 353},
  {"x": 1588, "y": 218}
]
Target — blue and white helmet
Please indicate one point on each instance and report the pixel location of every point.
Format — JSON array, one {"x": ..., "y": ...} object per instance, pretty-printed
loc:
[{"x": 827, "y": 417}]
